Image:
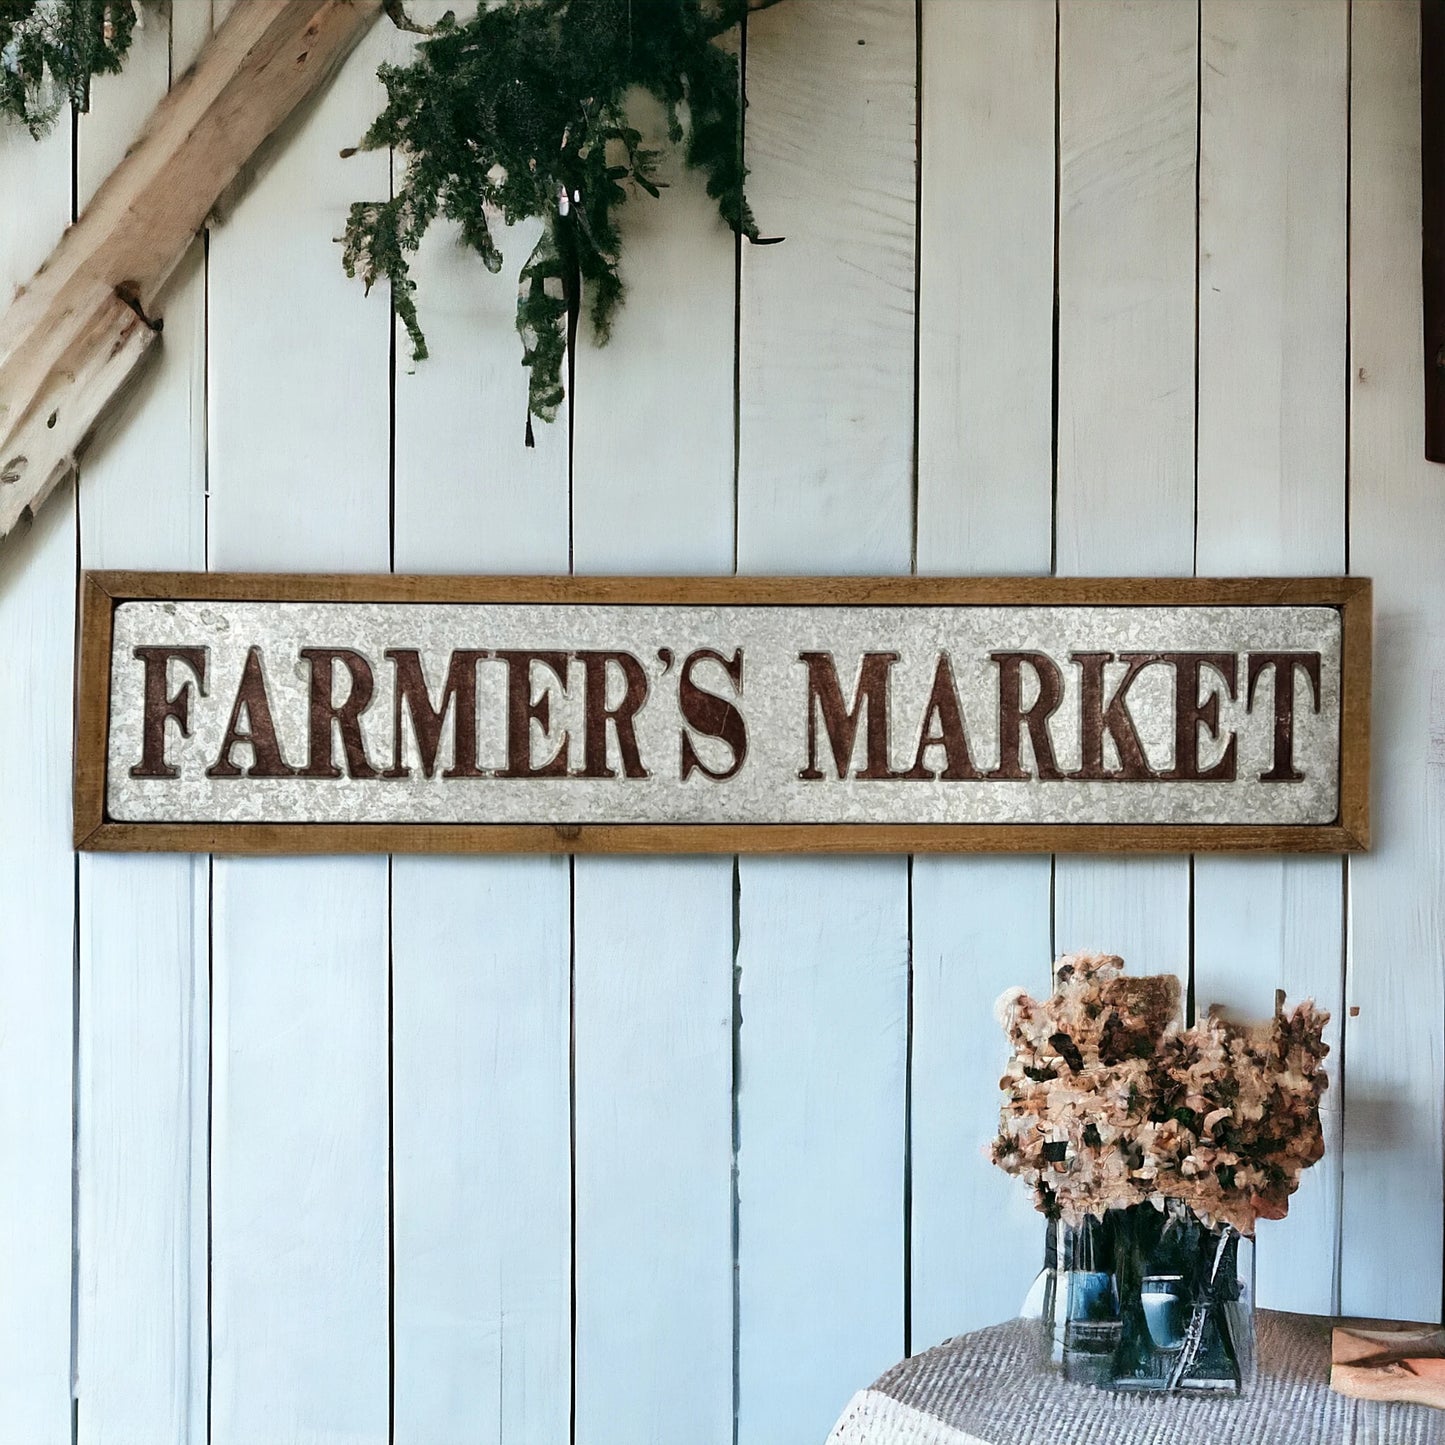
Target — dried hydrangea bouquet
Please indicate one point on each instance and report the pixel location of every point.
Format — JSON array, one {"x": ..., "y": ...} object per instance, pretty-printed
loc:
[{"x": 1152, "y": 1148}]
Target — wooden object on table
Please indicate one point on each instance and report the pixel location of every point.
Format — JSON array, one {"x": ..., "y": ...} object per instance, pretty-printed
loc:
[
  {"x": 74, "y": 336},
  {"x": 1389, "y": 1362}
]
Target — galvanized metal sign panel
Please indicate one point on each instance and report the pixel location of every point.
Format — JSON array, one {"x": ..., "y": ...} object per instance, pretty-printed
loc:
[{"x": 285, "y": 714}]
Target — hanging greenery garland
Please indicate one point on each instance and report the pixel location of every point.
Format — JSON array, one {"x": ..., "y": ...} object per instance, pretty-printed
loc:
[
  {"x": 50, "y": 49},
  {"x": 520, "y": 112}
]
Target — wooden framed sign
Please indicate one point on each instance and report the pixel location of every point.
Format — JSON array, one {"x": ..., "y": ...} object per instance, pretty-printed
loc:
[{"x": 312, "y": 714}]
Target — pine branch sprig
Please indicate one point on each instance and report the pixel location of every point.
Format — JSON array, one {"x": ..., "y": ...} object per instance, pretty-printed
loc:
[
  {"x": 50, "y": 50},
  {"x": 520, "y": 113}
]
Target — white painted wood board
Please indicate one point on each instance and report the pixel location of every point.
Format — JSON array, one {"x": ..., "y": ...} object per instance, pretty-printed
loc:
[
  {"x": 985, "y": 505},
  {"x": 298, "y": 396},
  {"x": 143, "y": 1112},
  {"x": 37, "y": 892},
  {"x": 470, "y": 495},
  {"x": 1271, "y": 500},
  {"x": 824, "y": 485},
  {"x": 1125, "y": 484},
  {"x": 299, "y": 441},
  {"x": 652, "y": 486},
  {"x": 1390, "y": 1248},
  {"x": 482, "y": 1168},
  {"x": 37, "y": 881},
  {"x": 985, "y": 287},
  {"x": 823, "y": 973},
  {"x": 826, "y": 342},
  {"x": 652, "y": 481},
  {"x": 481, "y": 947},
  {"x": 980, "y": 926},
  {"x": 653, "y": 1000}
]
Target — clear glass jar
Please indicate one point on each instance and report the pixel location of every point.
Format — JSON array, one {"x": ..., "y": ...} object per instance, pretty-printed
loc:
[{"x": 1151, "y": 1300}]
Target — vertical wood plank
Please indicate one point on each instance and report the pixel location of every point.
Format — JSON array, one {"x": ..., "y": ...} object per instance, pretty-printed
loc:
[
  {"x": 481, "y": 1121},
  {"x": 37, "y": 879},
  {"x": 144, "y": 1029},
  {"x": 1272, "y": 288},
  {"x": 653, "y": 992},
  {"x": 1126, "y": 381},
  {"x": 482, "y": 1159},
  {"x": 1395, "y": 1073},
  {"x": 826, "y": 425},
  {"x": 299, "y": 432},
  {"x": 470, "y": 496},
  {"x": 654, "y": 1023},
  {"x": 823, "y": 970},
  {"x": 824, "y": 484},
  {"x": 1263, "y": 924},
  {"x": 986, "y": 287},
  {"x": 653, "y": 476},
  {"x": 978, "y": 928},
  {"x": 1272, "y": 302},
  {"x": 986, "y": 242}
]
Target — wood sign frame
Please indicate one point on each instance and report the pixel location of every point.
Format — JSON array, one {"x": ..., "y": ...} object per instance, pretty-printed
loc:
[{"x": 103, "y": 592}]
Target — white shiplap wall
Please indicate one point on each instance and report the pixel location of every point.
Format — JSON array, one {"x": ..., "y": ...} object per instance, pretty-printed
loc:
[{"x": 620, "y": 1151}]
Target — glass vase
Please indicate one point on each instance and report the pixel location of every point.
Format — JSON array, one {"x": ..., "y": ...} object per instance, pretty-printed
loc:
[{"x": 1151, "y": 1300}]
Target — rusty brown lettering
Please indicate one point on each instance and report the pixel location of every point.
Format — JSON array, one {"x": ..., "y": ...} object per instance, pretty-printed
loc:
[
  {"x": 711, "y": 715},
  {"x": 260, "y": 732},
  {"x": 161, "y": 707},
  {"x": 458, "y": 691}
]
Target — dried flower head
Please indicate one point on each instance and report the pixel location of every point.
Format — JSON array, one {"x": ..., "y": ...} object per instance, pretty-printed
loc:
[{"x": 1110, "y": 1101}]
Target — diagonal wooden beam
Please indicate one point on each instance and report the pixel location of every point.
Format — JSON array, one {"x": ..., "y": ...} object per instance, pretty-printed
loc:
[{"x": 74, "y": 335}]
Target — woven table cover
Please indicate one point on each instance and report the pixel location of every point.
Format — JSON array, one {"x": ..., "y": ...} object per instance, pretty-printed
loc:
[{"x": 992, "y": 1388}]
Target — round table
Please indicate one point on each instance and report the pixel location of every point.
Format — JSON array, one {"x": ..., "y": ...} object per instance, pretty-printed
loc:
[{"x": 992, "y": 1387}]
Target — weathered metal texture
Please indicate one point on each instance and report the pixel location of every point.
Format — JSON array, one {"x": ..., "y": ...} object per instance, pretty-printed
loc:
[{"x": 603, "y": 713}]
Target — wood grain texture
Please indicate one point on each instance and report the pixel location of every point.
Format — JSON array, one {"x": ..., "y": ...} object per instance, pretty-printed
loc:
[
  {"x": 986, "y": 239},
  {"x": 823, "y": 972},
  {"x": 824, "y": 483},
  {"x": 311, "y": 839},
  {"x": 1126, "y": 287},
  {"x": 653, "y": 410},
  {"x": 143, "y": 1341},
  {"x": 481, "y": 947},
  {"x": 482, "y": 1162},
  {"x": 1126, "y": 277},
  {"x": 980, "y": 926},
  {"x": 1272, "y": 327},
  {"x": 1395, "y": 1073},
  {"x": 71, "y": 340},
  {"x": 653, "y": 1001},
  {"x": 37, "y": 884},
  {"x": 1272, "y": 287},
  {"x": 826, "y": 401},
  {"x": 470, "y": 496},
  {"x": 299, "y": 436},
  {"x": 653, "y": 977},
  {"x": 823, "y": 591},
  {"x": 299, "y": 1151},
  {"x": 985, "y": 287}
]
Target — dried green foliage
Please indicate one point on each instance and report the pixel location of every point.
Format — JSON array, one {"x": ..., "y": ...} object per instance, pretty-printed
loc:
[
  {"x": 50, "y": 49},
  {"x": 520, "y": 113}
]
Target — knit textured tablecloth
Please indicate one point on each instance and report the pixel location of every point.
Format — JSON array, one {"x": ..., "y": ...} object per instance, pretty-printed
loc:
[{"x": 993, "y": 1388}]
